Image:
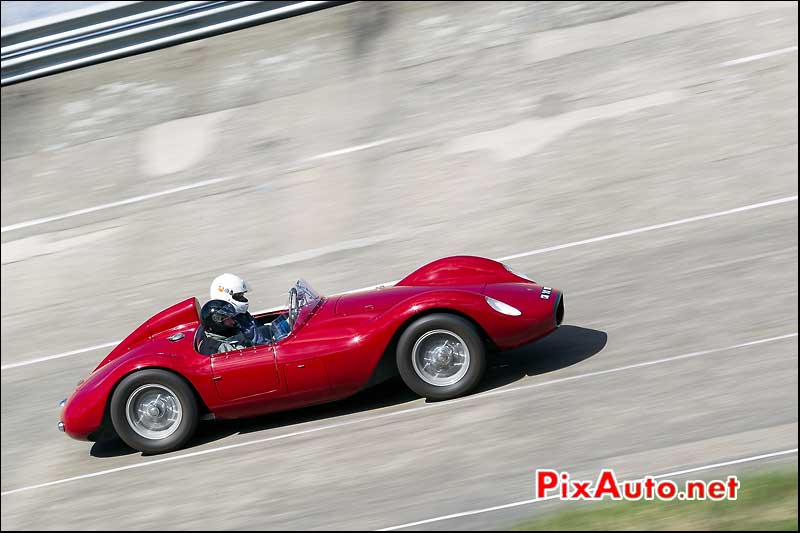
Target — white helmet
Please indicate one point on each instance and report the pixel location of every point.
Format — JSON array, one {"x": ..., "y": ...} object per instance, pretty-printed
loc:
[{"x": 230, "y": 288}]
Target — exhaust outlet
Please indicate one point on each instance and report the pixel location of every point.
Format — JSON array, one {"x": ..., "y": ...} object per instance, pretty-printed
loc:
[{"x": 560, "y": 310}]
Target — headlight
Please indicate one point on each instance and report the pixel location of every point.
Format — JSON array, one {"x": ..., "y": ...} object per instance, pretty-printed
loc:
[
  {"x": 502, "y": 307},
  {"x": 523, "y": 276}
]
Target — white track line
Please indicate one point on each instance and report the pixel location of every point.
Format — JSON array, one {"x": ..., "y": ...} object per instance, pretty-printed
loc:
[
  {"x": 59, "y": 355},
  {"x": 133, "y": 200},
  {"x": 356, "y": 148},
  {"x": 623, "y": 368},
  {"x": 759, "y": 56},
  {"x": 644, "y": 229},
  {"x": 636, "y": 231},
  {"x": 374, "y": 418},
  {"x": 136, "y": 199},
  {"x": 114, "y": 343},
  {"x": 324, "y": 155},
  {"x": 537, "y": 500}
]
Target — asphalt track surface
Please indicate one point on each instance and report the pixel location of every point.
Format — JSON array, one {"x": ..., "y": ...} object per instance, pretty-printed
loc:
[{"x": 679, "y": 347}]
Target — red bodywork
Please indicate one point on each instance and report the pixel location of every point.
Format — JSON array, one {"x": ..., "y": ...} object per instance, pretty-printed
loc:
[{"x": 333, "y": 351}]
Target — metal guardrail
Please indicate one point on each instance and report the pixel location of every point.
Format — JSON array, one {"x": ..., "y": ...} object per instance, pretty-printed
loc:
[{"x": 133, "y": 28}]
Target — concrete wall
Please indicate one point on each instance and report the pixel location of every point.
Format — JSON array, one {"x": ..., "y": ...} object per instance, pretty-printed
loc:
[{"x": 478, "y": 111}]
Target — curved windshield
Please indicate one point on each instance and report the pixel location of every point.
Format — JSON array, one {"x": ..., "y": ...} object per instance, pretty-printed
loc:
[
  {"x": 307, "y": 296},
  {"x": 303, "y": 300}
]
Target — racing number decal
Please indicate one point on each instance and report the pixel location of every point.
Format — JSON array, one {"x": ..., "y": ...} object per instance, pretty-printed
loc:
[{"x": 545, "y": 293}]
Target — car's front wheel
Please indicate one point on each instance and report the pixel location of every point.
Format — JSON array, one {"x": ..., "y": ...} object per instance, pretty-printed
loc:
[
  {"x": 154, "y": 411},
  {"x": 441, "y": 356}
]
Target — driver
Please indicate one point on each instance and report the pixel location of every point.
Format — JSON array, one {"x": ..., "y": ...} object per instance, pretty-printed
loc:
[
  {"x": 222, "y": 332},
  {"x": 231, "y": 288}
]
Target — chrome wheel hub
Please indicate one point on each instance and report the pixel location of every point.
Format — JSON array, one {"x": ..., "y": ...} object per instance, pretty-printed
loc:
[
  {"x": 153, "y": 411},
  {"x": 440, "y": 357}
]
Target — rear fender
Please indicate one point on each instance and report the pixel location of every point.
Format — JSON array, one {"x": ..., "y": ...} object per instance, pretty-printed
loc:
[
  {"x": 503, "y": 331},
  {"x": 460, "y": 270}
]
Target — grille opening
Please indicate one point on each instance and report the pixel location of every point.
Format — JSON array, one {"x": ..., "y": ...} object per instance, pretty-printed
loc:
[{"x": 560, "y": 311}]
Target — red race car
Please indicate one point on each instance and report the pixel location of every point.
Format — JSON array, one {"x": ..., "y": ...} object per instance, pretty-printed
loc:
[{"x": 434, "y": 327}]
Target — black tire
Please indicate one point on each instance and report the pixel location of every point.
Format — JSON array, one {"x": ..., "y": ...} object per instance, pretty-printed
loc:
[
  {"x": 448, "y": 323},
  {"x": 157, "y": 379}
]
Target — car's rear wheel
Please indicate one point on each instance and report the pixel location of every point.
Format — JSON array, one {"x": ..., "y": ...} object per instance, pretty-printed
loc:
[
  {"x": 154, "y": 411},
  {"x": 441, "y": 356}
]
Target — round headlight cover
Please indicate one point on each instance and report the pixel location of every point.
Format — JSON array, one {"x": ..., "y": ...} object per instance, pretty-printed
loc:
[{"x": 502, "y": 307}]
